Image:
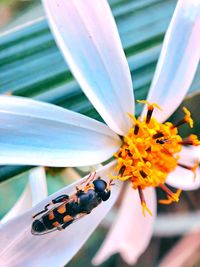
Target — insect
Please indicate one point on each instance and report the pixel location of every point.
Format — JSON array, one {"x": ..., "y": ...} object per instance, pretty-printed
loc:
[{"x": 68, "y": 209}]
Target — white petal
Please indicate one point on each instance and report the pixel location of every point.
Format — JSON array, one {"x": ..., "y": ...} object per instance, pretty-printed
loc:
[
  {"x": 22, "y": 204},
  {"x": 189, "y": 155},
  {"x": 34, "y": 192},
  {"x": 90, "y": 168},
  {"x": 36, "y": 133},
  {"x": 87, "y": 35},
  {"x": 178, "y": 60},
  {"x": 70, "y": 174},
  {"x": 183, "y": 252},
  {"x": 182, "y": 178},
  {"x": 131, "y": 232},
  {"x": 19, "y": 247},
  {"x": 38, "y": 184},
  {"x": 196, "y": 152}
]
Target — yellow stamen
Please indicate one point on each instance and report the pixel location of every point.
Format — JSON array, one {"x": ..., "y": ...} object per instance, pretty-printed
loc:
[
  {"x": 191, "y": 140},
  {"x": 145, "y": 209},
  {"x": 191, "y": 168},
  {"x": 143, "y": 202},
  {"x": 150, "y": 151},
  {"x": 194, "y": 169},
  {"x": 149, "y": 104},
  {"x": 171, "y": 198},
  {"x": 133, "y": 118},
  {"x": 187, "y": 117}
]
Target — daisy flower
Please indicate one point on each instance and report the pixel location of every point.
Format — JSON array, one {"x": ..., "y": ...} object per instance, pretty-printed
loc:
[{"x": 148, "y": 152}]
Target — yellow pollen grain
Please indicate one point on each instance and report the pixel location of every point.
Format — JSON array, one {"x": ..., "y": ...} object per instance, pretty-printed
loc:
[{"x": 187, "y": 117}]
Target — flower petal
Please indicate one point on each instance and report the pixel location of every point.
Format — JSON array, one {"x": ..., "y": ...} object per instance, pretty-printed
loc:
[
  {"x": 87, "y": 35},
  {"x": 36, "y": 133},
  {"x": 183, "y": 178},
  {"x": 178, "y": 59},
  {"x": 131, "y": 232},
  {"x": 183, "y": 252},
  {"x": 22, "y": 204},
  {"x": 38, "y": 184},
  {"x": 70, "y": 174},
  {"x": 19, "y": 247},
  {"x": 34, "y": 192},
  {"x": 190, "y": 154}
]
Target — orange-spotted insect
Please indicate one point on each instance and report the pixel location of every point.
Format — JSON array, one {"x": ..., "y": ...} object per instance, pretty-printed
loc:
[{"x": 68, "y": 209}]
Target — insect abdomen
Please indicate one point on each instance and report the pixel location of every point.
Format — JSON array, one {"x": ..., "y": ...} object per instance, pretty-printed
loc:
[
  {"x": 38, "y": 227},
  {"x": 57, "y": 217}
]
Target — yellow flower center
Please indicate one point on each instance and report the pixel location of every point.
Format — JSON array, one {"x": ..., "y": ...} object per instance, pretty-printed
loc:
[{"x": 150, "y": 151}]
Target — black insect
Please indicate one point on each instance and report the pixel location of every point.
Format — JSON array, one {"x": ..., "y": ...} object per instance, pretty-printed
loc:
[{"x": 68, "y": 209}]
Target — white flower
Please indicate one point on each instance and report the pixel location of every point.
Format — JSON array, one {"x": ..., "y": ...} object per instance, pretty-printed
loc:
[{"x": 36, "y": 133}]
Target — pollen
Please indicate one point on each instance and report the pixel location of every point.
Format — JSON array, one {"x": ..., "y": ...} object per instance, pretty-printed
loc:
[
  {"x": 187, "y": 117},
  {"x": 150, "y": 151}
]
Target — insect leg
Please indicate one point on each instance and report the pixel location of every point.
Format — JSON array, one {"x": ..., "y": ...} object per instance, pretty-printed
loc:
[
  {"x": 60, "y": 199},
  {"x": 43, "y": 211},
  {"x": 56, "y": 200},
  {"x": 89, "y": 179}
]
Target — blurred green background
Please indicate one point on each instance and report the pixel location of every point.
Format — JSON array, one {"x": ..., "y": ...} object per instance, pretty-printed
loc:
[{"x": 27, "y": 47}]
